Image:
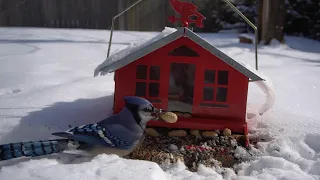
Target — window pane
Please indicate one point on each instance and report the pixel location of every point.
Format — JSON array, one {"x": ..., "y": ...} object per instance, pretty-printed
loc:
[
  {"x": 141, "y": 89},
  {"x": 208, "y": 93},
  {"x": 154, "y": 89},
  {"x": 222, "y": 94},
  {"x": 155, "y": 73},
  {"x": 223, "y": 77},
  {"x": 141, "y": 72},
  {"x": 209, "y": 76}
]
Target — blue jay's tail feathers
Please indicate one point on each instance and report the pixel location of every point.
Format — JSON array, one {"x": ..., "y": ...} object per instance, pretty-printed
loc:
[{"x": 32, "y": 148}]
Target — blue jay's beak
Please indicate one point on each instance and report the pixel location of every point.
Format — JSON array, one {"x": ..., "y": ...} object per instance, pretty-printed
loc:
[
  {"x": 156, "y": 113},
  {"x": 159, "y": 116},
  {"x": 165, "y": 116}
]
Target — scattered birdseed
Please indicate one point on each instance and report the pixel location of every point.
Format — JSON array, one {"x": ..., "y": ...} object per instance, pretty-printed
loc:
[{"x": 211, "y": 152}]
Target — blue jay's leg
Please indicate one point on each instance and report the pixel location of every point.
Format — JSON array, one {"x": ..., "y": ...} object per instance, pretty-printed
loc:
[{"x": 32, "y": 148}]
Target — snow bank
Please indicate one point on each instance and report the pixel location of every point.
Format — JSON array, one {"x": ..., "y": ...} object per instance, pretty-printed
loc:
[
  {"x": 276, "y": 156},
  {"x": 133, "y": 47},
  {"x": 101, "y": 167},
  {"x": 178, "y": 171},
  {"x": 273, "y": 168}
]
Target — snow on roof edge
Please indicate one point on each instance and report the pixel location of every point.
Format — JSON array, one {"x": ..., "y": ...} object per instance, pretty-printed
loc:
[
  {"x": 133, "y": 47},
  {"x": 243, "y": 68}
]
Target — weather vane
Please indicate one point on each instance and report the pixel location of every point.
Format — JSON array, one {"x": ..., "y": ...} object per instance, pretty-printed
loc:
[{"x": 186, "y": 10}]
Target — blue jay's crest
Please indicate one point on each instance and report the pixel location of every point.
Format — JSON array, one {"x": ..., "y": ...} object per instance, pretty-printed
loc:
[
  {"x": 141, "y": 109},
  {"x": 136, "y": 101}
]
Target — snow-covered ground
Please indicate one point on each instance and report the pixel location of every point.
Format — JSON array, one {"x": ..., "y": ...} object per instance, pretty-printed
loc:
[{"x": 47, "y": 85}]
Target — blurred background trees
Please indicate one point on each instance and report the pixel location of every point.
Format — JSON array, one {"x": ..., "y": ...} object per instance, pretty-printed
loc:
[{"x": 273, "y": 17}]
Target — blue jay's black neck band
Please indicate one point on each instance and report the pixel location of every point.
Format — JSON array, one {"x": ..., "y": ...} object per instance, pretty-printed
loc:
[
  {"x": 134, "y": 111},
  {"x": 136, "y": 116}
]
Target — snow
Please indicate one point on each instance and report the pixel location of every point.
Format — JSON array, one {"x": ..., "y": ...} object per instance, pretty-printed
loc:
[
  {"x": 267, "y": 87},
  {"x": 46, "y": 85},
  {"x": 101, "y": 167}
]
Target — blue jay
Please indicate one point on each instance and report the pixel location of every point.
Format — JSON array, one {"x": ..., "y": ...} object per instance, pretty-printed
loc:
[{"x": 118, "y": 134}]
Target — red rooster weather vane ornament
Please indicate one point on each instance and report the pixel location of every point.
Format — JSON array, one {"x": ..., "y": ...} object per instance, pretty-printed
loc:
[{"x": 186, "y": 10}]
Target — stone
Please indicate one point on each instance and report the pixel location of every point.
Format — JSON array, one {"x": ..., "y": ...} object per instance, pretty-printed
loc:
[
  {"x": 177, "y": 133},
  {"x": 227, "y": 132},
  {"x": 209, "y": 134},
  {"x": 173, "y": 147},
  {"x": 152, "y": 132}
]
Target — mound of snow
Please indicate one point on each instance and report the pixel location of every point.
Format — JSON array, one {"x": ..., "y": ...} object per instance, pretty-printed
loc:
[{"x": 101, "y": 167}]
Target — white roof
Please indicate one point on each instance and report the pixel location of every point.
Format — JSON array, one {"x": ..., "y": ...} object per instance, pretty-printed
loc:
[
  {"x": 133, "y": 47},
  {"x": 137, "y": 50}
]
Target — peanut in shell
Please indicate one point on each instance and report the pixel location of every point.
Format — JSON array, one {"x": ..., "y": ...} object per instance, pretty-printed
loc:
[
  {"x": 177, "y": 133},
  {"x": 227, "y": 132},
  {"x": 152, "y": 132},
  {"x": 209, "y": 134},
  {"x": 169, "y": 117}
]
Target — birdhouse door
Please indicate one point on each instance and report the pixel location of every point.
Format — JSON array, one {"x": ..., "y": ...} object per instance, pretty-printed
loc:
[{"x": 181, "y": 87}]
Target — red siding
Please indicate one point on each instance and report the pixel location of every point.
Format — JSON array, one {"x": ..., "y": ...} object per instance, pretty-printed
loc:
[{"x": 237, "y": 88}]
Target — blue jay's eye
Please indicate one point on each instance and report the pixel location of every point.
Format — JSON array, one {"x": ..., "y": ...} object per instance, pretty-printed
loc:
[{"x": 148, "y": 109}]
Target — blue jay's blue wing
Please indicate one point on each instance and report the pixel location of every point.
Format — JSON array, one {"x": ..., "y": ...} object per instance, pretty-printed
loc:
[{"x": 95, "y": 134}]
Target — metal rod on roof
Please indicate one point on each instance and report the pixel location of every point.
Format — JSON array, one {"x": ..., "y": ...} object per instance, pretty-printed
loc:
[
  {"x": 113, "y": 20},
  {"x": 250, "y": 24},
  {"x": 256, "y": 47}
]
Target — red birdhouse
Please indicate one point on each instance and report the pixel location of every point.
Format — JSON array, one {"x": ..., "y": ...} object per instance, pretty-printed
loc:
[{"x": 183, "y": 73}]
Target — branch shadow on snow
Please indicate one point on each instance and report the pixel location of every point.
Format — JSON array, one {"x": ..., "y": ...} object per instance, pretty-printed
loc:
[
  {"x": 60, "y": 116},
  {"x": 294, "y": 42},
  {"x": 62, "y": 158},
  {"x": 303, "y": 44}
]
